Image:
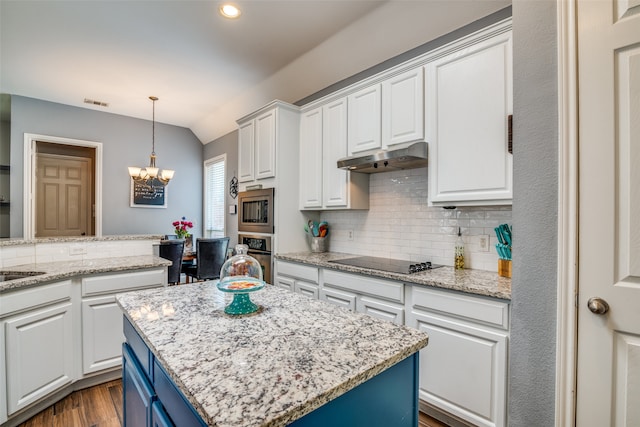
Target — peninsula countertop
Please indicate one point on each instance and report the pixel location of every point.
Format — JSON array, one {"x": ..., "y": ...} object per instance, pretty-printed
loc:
[
  {"x": 477, "y": 282},
  {"x": 265, "y": 369},
  {"x": 65, "y": 269}
]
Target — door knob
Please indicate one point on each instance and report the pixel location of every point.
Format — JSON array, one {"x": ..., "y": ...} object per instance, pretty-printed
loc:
[{"x": 597, "y": 305}]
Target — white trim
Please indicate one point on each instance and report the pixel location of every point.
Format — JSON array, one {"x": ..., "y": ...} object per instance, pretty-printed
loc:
[
  {"x": 30, "y": 140},
  {"x": 567, "y": 286},
  {"x": 221, "y": 157}
]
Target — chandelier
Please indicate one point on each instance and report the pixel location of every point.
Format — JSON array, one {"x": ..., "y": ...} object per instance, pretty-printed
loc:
[{"x": 151, "y": 173}]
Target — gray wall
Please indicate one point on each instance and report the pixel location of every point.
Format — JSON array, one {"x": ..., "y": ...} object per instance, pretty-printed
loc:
[
  {"x": 228, "y": 145},
  {"x": 126, "y": 142},
  {"x": 535, "y": 206}
]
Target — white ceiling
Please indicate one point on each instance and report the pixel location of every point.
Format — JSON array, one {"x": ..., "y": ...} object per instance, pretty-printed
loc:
[{"x": 207, "y": 71}]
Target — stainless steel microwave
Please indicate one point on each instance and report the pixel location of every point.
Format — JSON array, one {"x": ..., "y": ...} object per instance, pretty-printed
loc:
[{"x": 255, "y": 211}]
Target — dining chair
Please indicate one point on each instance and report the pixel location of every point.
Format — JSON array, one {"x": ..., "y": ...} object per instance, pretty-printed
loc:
[
  {"x": 210, "y": 255},
  {"x": 173, "y": 251}
]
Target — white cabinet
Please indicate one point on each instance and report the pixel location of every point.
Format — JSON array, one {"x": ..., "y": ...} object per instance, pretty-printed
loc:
[
  {"x": 257, "y": 146},
  {"x": 403, "y": 108},
  {"x": 468, "y": 103},
  {"x": 37, "y": 338},
  {"x": 383, "y": 299},
  {"x": 102, "y": 335},
  {"x": 365, "y": 119},
  {"x": 339, "y": 297},
  {"x": 246, "y": 152},
  {"x": 299, "y": 278},
  {"x": 387, "y": 113},
  {"x": 463, "y": 370},
  {"x": 323, "y": 140},
  {"x": 311, "y": 160}
]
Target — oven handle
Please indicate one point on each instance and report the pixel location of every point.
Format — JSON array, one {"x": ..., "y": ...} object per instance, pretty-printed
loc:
[{"x": 258, "y": 252}]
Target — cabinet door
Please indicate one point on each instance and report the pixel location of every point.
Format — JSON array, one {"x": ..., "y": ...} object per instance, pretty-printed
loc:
[
  {"x": 463, "y": 369},
  {"x": 403, "y": 108},
  {"x": 159, "y": 417},
  {"x": 265, "y": 145},
  {"x": 311, "y": 159},
  {"x": 246, "y": 152},
  {"x": 307, "y": 289},
  {"x": 380, "y": 309},
  {"x": 336, "y": 181},
  {"x": 469, "y": 99},
  {"x": 137, "y": 391},
  {"x": 341, "y": 298},
  {"x": 364, "y": 119},
  {"x": 40, "y": 348},
  {"x": 102, "y": 335}
]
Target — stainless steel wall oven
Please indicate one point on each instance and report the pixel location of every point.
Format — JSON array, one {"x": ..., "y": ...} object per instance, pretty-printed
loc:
[{"x": 260, "y": 249}]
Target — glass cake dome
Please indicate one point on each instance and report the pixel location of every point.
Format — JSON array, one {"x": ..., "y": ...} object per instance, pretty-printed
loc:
[
  {"x": 240, "y": 275},
  {"x": 241, "y": 265}
]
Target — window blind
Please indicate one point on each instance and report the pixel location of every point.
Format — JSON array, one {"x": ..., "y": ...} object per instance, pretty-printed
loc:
[{"x": 214, "y": 196}]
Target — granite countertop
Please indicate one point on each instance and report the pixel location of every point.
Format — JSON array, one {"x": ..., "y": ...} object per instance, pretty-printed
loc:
[
  {"x": 16, "y": 241},
  {"x": 477, "y": 282},
  {"x": 269, "y": 368},
  {"x": 65, "y": 269}
]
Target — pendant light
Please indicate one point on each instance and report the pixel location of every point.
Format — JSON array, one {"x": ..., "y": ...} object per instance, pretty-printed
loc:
[{"x": 150, "y": 173}]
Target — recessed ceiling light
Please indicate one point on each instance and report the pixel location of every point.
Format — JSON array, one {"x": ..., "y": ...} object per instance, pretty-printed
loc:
[{"x": 229, "y": 11}]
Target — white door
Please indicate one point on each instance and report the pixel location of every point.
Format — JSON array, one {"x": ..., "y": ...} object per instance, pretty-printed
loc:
[{"x": 608, "y": 389}]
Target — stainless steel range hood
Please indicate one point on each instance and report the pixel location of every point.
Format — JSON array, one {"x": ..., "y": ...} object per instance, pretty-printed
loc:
[{"x": 408, "y": 157}]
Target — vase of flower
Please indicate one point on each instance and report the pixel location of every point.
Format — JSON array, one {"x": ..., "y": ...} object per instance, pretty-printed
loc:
[{"x": 181, "y": 228}]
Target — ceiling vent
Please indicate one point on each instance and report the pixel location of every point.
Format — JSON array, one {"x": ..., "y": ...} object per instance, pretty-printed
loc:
[{"x": 94, "y": 102}]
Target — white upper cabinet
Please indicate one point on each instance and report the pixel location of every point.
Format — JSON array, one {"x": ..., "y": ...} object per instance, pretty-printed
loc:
[
  {"x": 257, "y": 147},
  {"x": 246, "y": 152},
  {"x": 468, "y": 103},
  {"x": 265, "y": 144},
  {"x": 323, "y": 140},
  {"x": 364, "y": 119},
  {"x": 387, "y": 113},
  {"x": 311, "y": 159},
  {"x": 334, "y": 147},
  {"x": 403, "y": 108}
]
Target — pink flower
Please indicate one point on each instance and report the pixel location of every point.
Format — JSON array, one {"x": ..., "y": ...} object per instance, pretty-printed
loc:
[{"x": 181, "y": 227}]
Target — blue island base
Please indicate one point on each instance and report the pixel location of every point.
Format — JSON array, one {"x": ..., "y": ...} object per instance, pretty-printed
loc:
[{"x": 152, "y": 399}]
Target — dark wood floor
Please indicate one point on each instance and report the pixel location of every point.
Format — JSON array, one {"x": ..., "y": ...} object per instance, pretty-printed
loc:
[{"x": 101, "y": 406}]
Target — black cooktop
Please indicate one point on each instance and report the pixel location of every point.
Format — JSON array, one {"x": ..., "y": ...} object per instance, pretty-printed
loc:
[{"x": 387, "y": 264}]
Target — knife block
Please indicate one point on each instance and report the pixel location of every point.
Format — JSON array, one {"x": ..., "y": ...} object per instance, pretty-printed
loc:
[{"x": 504, "y": 267}]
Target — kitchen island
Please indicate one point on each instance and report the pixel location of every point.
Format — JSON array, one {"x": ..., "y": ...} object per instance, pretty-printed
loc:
[{"x": 295, "y": 362}]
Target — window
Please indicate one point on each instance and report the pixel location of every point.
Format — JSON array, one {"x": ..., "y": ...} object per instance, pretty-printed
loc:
[{"x": 214, "y": 196}]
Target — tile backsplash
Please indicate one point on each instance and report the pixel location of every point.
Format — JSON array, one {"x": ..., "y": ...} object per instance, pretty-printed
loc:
[{"x": 400, "y": 224}]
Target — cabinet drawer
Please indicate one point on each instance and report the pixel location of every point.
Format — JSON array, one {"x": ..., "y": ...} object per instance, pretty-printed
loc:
[
  {"x": 382, "y": 310},
  {"x": 113, "y": 283},
  {"x": 14, "y": 302},
  {"x": 138, "y": 347},
  {"x": 392, "y": 291},
  {"x": 340, "y": 298},
  {"x": 490, "y": 312},
  {"x": 307, "y": 289},
  {"x": 298, "y": 270}
]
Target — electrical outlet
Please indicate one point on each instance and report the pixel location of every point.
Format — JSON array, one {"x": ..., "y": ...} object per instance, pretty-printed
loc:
[
  {"x": 77, "y": 250},
  {"x": 349, "y": 234},
  {"x": 484, "y": 243}
]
